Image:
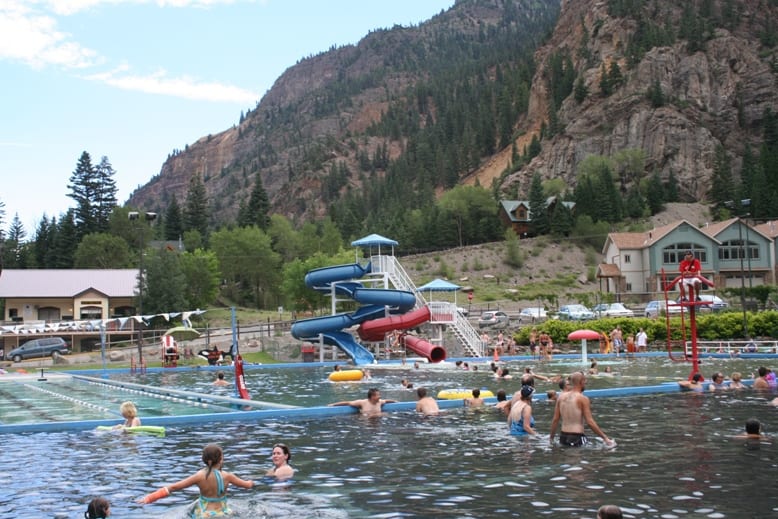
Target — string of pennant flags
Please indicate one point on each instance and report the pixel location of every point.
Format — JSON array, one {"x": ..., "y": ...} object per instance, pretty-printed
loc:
[{"x": 93, "y": 325}]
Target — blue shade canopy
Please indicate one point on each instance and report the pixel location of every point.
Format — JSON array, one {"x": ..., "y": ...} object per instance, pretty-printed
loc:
[
  {"x": 373, "y": 240},
  {"x": 439, "y": 285}
]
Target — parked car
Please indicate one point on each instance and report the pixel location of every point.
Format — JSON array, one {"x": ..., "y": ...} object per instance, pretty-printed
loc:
[
  {"x": 613, "y": 310},
  {"x": 716, "y": 303},
  {"x": 50, "y": 346},
  {"x": 575, "y": 313},
  {"x": 493, "y": 319},
  {"x": 657, "y": 308},
  {"x": 533, "y": 314}
]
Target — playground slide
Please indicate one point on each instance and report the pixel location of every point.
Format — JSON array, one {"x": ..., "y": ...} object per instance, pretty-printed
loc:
[
  {"x": 326, "y": 275},
  {"x": 307, "y": 328}
]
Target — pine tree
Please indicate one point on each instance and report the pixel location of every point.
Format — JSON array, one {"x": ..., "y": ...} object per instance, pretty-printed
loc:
[
  {"x": 83, "y": 189},
  {"x": 14, "y": 255},
  {"x": 721, "y": 190},
  {"x": 561, "y": 219},
  {"x": 66, "y": 241},
  {"x": 257, "y": 211},
  {"x": 105, "y": 194},
  {"x": 655, "y": 194},
  {"x": 43, "y": 244},
  {"x": 539, "y": 222},
  {"x": 580, "y": 91},
  {"x": 671, "y": 192},
  {"x": 196, "y": 209},
  {"x": 174, "y": 226},
  {"x": 655, "y": 94}
]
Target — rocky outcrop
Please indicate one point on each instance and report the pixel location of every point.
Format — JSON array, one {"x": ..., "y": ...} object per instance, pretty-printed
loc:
[{"x": 714, "y": 97}]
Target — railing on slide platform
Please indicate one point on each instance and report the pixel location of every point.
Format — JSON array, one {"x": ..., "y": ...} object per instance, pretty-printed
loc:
[{"x": 463, "y": 330}]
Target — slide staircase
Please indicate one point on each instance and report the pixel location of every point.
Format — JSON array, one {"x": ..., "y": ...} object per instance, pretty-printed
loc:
[{"x": 390, "y": 267}]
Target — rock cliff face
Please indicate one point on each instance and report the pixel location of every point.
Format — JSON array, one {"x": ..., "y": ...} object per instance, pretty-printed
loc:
[{"x": 715, "y": 96}]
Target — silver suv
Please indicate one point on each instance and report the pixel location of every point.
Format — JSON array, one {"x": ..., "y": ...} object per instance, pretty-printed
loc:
[{"x": 40, "y": 348}]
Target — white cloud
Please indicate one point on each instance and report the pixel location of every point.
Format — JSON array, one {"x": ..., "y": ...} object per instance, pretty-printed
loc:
[
  {"x": 68, "y": 7},
  {"x": 32, "y": 38},
  {"x": 183, "y": 87}
]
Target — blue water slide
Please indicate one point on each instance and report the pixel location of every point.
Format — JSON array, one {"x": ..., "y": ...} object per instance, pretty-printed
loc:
[
  {"x": 326, "y": 275},
  {"x": 347, "y": 343},
  {"x": 375, "y": 301}
]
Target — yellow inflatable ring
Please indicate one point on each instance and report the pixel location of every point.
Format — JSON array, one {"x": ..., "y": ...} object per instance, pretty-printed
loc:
[
  {"x": 346, "y": 375},
  {"x": 459, "y": 394}
]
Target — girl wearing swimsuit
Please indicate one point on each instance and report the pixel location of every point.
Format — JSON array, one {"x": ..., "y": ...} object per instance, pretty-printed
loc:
[
  {"x": 213, "y": 483},
  {"x": 280, "y": 457}
]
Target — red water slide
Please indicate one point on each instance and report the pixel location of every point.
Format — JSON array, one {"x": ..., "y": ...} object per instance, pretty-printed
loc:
[{"x": 376, "y": 329}]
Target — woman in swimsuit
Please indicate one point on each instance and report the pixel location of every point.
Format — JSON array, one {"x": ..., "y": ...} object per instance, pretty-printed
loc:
[
  {"x": 281, "y": 469},
  {"x": 520, "y": 420},
  {"x": 213, "y": 483}
]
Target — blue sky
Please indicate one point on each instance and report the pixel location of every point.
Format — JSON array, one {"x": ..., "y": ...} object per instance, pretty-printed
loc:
[{"x": 135, "y": 79}]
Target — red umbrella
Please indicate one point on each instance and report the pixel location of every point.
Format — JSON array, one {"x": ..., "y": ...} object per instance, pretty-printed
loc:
[{"x": 580, "y": 335}]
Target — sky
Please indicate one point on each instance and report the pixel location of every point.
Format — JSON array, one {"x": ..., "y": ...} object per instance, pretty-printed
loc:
[{"x": 133, "y": 80}]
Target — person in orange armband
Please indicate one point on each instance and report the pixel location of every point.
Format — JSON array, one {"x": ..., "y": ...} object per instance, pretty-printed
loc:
[{"x": 212, "y": 481}]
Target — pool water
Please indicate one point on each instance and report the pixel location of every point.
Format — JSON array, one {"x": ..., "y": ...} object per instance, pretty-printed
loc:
[{"x": 676, "y": 455}]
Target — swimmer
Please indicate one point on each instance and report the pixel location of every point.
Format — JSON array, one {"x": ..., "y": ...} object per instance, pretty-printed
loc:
[
  {"x": 98, "y": 508},
  {"x": 407, "y": 385},
  {"x": 551, "y": 395},
  {"x": 503, "y": 404},
  {"x": 609, "y": 512},
  {"x": 212, "y": 482},
  {"x": 520, "y": 419},
  {"x": 280, "y": 457},
  {"x": 717, "y": 382},
  {"x": 475, "y": 400},
  {"x": 130, "y": 414},
  {"x": 737, "y": 381},
  {"x": 695, "y": 384},
  {"x": 753, "y": 430},
  {"x": 426, "y": 405},
  {"x": 573, "y": 409},
  {"x": 370, "y": 406},
  {"x": 220, "y": 380}
]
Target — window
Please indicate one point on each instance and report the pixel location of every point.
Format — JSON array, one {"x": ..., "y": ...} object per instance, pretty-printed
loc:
[
  {"x": 737, "y": 249},
  {"x": 629, "y": 287},
  {"x": 673, "y": 254},
  {"x": 627, "y": 258}
]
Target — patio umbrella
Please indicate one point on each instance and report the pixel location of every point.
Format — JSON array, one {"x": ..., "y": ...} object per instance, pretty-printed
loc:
[{"x": 183, "y": 333}]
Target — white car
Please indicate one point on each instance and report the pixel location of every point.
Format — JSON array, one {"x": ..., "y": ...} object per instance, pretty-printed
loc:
[
  {"x": 575, "y": 313},
  {"x": 533, "y": 314},
  {"x": 613, "y": 310},
  {"x": 657, "y": 308}
]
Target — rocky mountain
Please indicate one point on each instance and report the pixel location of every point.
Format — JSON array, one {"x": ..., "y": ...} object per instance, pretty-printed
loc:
[{"x": 682, "y": 80}]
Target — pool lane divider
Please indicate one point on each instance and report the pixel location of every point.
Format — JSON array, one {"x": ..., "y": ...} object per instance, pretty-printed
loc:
[
  {"x": 303, "y": 412},
  {"x": 185, "y": 396}
]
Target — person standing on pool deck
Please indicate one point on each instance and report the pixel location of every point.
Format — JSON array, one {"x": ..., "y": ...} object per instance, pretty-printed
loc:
[
  {"x": 130, "y": 414},
  {"x": 573, "y": 409},
  {"x": 212, "y": 481},
  {"x": 426, "y": 405},
  {"x": 280, "y": 457},
  {"x": 642, "y": 340},
  {"x": 370, "y": 406}
]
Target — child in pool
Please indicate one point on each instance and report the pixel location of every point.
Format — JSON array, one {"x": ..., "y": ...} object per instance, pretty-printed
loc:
[
  {"x": 130, "y": 414},
  {"x": 99, "y": 508},
  {"x": 212, "y": 481}
]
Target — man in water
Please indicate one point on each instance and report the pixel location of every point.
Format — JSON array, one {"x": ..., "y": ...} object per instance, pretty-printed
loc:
[
  {"x": 426, "y": 405},
  {"x": 573, "y": 408},
  {"x": 370, "y": 406}
]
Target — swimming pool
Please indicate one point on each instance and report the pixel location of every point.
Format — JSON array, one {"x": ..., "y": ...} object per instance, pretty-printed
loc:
[{"x": 675, "y": 456}]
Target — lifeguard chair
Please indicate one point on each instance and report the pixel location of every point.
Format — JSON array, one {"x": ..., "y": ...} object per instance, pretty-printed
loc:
[{"x": 169, "y": 352}]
